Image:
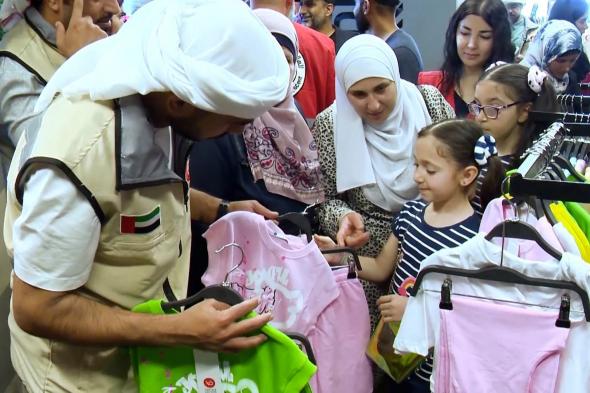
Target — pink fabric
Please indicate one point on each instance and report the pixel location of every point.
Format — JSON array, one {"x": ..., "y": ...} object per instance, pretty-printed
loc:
[
  {"x": 496, "y": 212},
  {"x": 282, "y": 152},
  {"x": 281, "y": 149},
  {"x": 340, "y": 340},
  {"x": 291, "y": 276},
  {"x": 486, "y": 347}
]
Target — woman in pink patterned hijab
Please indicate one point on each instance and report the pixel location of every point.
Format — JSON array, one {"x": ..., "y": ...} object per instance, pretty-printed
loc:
[{"x": 280, "y": 147}]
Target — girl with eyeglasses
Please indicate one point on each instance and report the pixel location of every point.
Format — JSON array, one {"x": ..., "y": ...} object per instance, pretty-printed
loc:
[{"x": 503, "y": 98}]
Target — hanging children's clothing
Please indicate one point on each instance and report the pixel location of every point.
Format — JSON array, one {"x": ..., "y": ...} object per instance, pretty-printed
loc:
[
  {"x": 499, "y": 210},
  {"x": 291, "y": 277},
  {"x": 277, "y": 365},
  {"x": 487, "y": 347},
  {"x": 566, "y": 239},
  {"x": 563, "y": 216},
  {"x": 296, "y": 284},
  {"x": 345, "y": 326},
  {"x": 420, "y": 326},
  {"x": 581, "y": 216}
]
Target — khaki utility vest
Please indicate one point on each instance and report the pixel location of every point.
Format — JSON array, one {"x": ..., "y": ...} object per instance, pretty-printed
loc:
[{"x": 144, "y": 238}]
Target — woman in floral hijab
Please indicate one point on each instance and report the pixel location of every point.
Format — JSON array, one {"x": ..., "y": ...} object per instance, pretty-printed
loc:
[{"x": 556, "y": 49}]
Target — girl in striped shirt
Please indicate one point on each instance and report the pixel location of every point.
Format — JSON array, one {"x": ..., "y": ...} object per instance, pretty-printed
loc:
[{"x": 448, "y": 158}]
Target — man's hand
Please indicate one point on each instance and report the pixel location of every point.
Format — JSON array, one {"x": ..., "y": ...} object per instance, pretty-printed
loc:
[
  {"x": 81, "y": 32},
  {"x": 352, "y": 231},
  {"x": 392, "y": 307},
  {"x": 78, "y": 320},
  {"x": 254, "y": 207},
  {"x": 213, "y": 327}
]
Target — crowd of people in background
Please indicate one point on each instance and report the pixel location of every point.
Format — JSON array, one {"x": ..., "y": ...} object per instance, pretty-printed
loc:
[{"x": 347, "y": 122}]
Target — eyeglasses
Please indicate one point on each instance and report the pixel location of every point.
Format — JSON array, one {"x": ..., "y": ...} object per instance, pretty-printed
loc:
[{"x": 491, "y": 111}]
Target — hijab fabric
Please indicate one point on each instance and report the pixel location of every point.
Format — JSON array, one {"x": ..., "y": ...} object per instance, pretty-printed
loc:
[
  {"x": 280, "y": 147},
  {"x": 554, "y": 38},
  {"x": 181, "y": 46},
  {"x": 376, "y": 157}
]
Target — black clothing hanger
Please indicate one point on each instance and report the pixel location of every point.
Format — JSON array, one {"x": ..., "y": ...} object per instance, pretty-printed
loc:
[
  {"x": 517, "y": 229},
  {"x": 545, "y": 203},
  {"x": 298, "y": 337},
  {"x": 220, "y": 292},
  {"x": 353, "y": 266},
  {"x": 301, "y": 222},
  {"x": 505, "y": 275},
  {"x": 566, "y": 164},
  {"x": 225, "y": 294}
]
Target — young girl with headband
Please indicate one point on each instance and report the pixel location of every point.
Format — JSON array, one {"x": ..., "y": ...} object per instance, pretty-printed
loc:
[
  {"x": 504, "y": 96},
  {"x": 448, "y": 159}
]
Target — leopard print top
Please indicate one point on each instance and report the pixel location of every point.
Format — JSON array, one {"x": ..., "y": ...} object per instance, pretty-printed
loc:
[{"x": 377, "y": 221}]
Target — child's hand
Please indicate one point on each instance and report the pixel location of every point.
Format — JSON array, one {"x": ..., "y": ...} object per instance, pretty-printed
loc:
[
  {"x": 325, "y": 243},
  {"x": 392, "y": 307}
]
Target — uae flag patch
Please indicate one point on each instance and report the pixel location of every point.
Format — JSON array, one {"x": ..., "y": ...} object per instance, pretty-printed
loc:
[{"x": 141, "y": 224}]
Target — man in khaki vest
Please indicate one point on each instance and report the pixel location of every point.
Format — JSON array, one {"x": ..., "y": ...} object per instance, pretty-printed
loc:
[
  {"x": 98, "y": 222},
  {"x": 30, "y": 53}
]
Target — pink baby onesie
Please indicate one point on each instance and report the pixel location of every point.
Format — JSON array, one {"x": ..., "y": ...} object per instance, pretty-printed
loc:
[{"x": 487, "y": 347}]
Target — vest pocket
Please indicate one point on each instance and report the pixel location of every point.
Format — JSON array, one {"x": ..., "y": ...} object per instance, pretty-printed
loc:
[{"x": 137, "y": 242}]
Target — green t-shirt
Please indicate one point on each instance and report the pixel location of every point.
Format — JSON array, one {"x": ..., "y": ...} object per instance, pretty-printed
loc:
[{"x": 276, "y": 366}]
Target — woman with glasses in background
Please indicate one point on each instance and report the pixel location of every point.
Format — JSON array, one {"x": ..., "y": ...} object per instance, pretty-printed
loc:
[{"x": 503, "y": 98}]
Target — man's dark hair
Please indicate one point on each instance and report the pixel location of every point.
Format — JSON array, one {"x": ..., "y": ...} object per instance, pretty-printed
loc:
[
  {"x": 36, "y": 3},
  {"x": 495, "y": 14},
  {"x": 388, "y": 6}
]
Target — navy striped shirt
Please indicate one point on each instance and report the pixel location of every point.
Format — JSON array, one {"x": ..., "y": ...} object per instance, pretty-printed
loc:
[{"x": 417, "y": 241}]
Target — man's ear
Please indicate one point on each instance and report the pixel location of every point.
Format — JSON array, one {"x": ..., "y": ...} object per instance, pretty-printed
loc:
[
  {"x": 289, "y": 4},
  {"x": 178, "y": 107},
  {"x": 329, "y": 9},
  {"x": 366, "y": 7},
  {"x": 54, "y": 5}
]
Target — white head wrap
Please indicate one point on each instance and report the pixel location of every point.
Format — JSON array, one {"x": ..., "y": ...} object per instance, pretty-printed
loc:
[
  {"x": 378, "y": 158},
  {"x": 184, "y": 47}
]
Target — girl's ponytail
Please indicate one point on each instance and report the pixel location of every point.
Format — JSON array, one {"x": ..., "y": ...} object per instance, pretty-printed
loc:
[{"x": 492, "y": 182}]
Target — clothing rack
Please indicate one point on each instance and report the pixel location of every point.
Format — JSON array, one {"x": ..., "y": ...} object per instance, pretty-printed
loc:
[
  {"x": 574, "y": 102},
  {"x": 524, "y": 182},
  {"x": 578, "y": 124}
]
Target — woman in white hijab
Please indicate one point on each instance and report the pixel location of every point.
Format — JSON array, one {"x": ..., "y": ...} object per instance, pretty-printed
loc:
[{"x": 365, "y": 143}]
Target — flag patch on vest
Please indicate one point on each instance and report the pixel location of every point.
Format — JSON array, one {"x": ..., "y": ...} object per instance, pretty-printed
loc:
[{"x": 141, "y": 224}]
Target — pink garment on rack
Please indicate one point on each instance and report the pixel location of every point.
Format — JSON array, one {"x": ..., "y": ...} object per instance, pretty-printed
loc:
[
  {"x": 487, "y": 347},
  {"x": 291, "y": 276},
  {"x": 343, "y": 332},
  {"x": 496, "y": 212}
]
